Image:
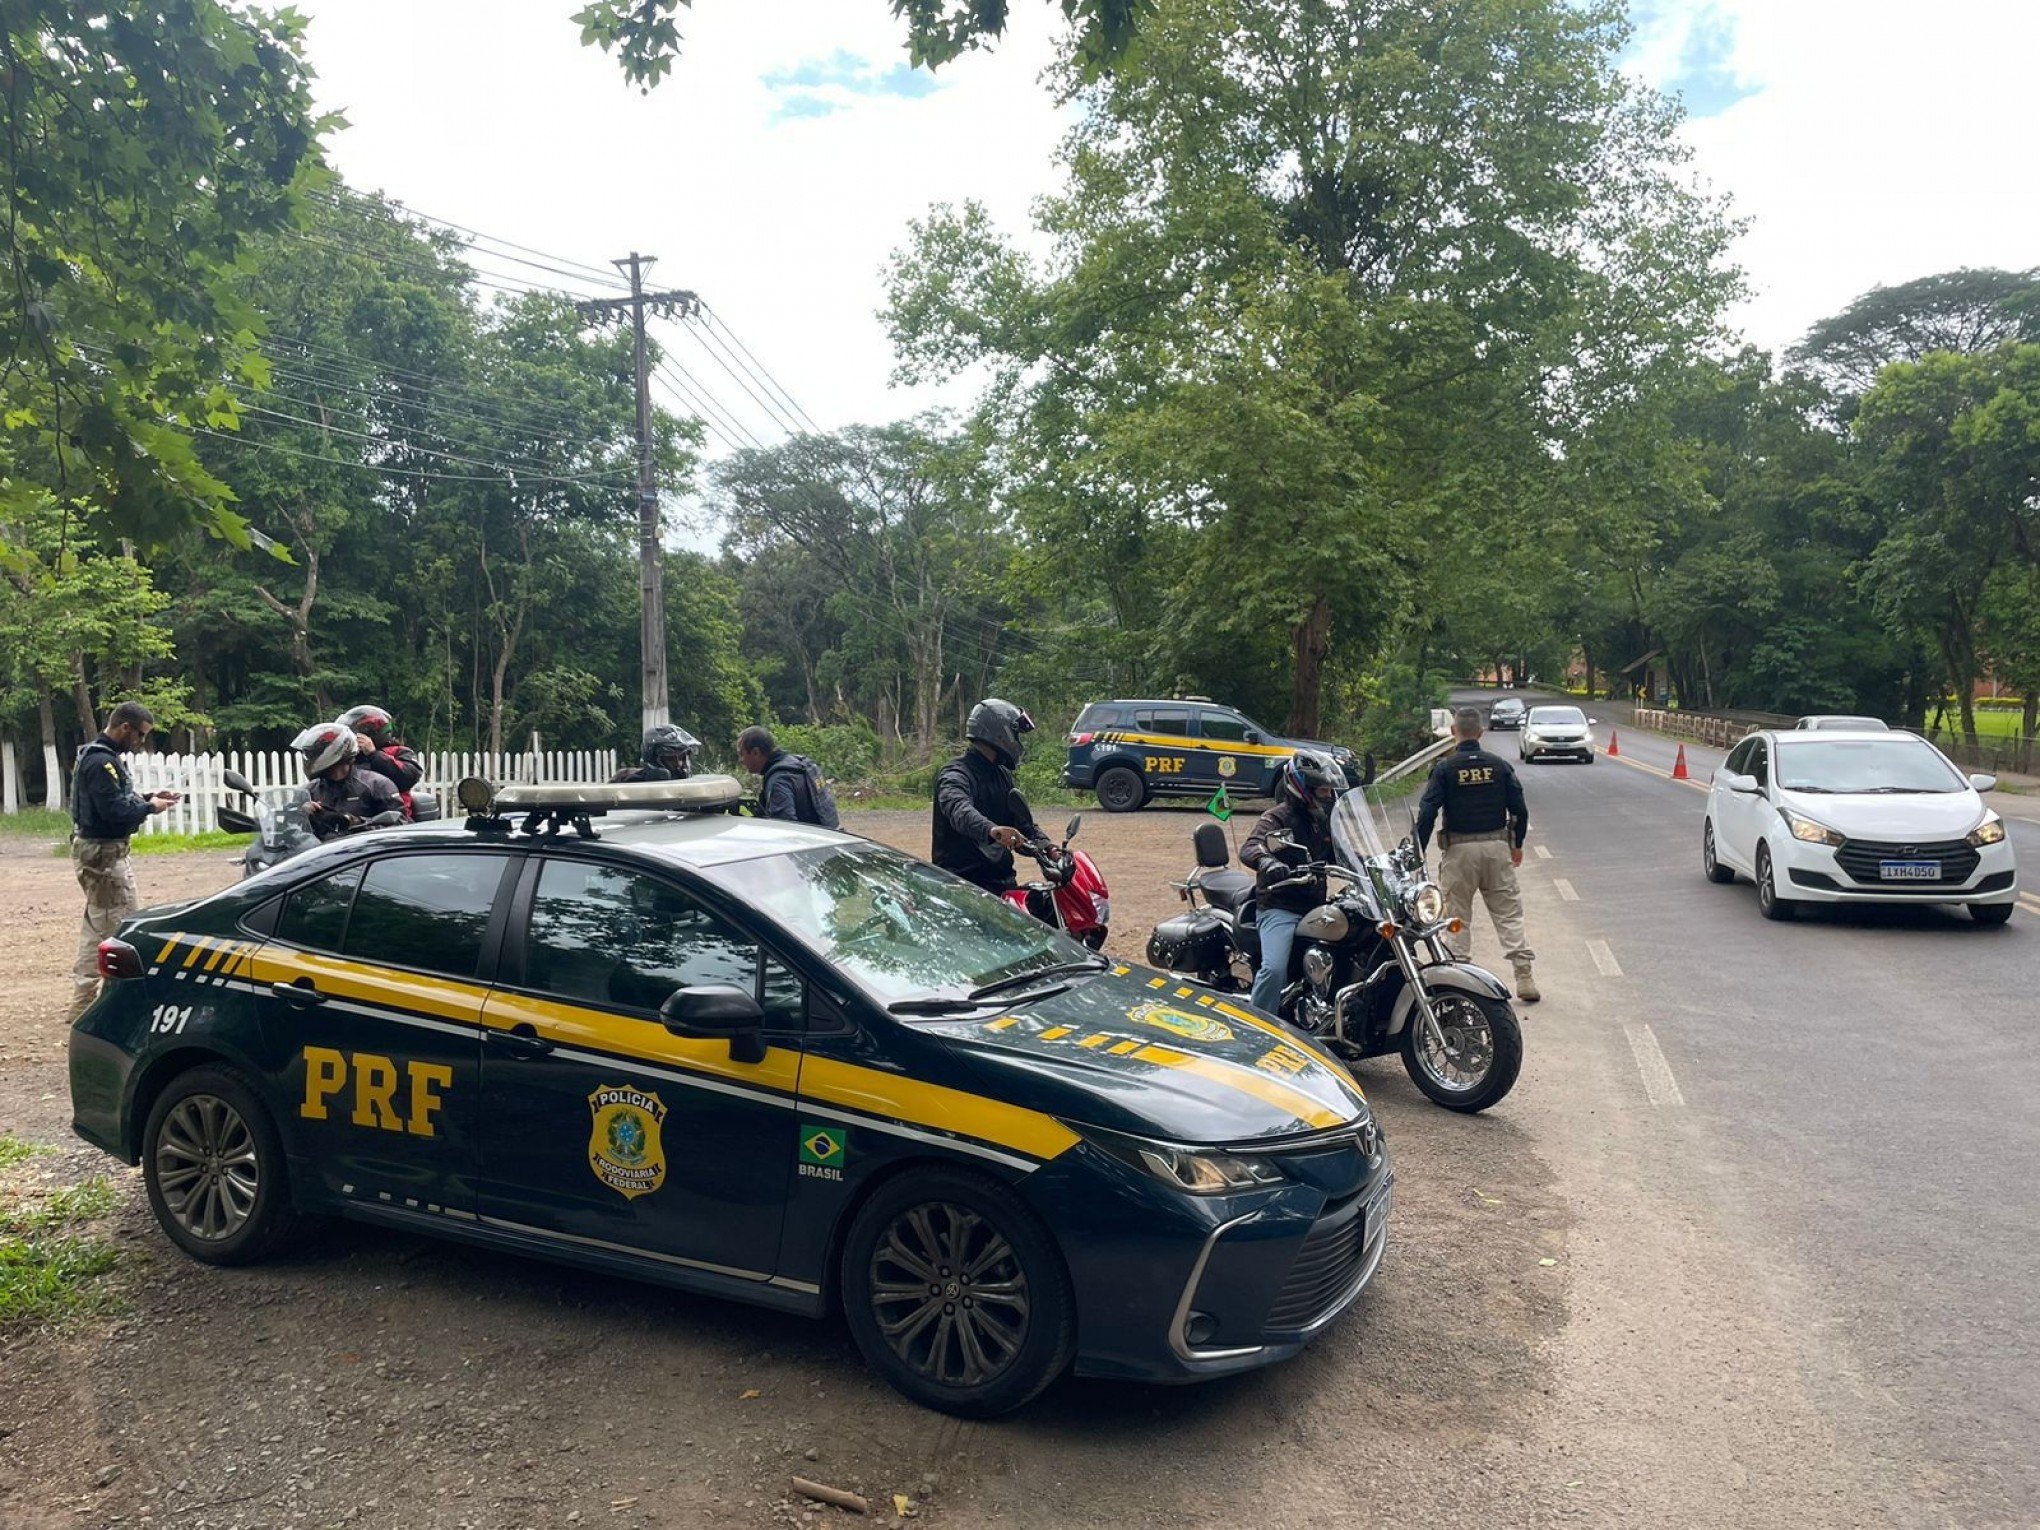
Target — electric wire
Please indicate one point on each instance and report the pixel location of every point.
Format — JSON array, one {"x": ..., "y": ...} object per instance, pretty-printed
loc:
[
  {"x": 686, "y": 386},
  {"x": 780, "y": 423},
  {"x": 737, "y": 340},
  {"x": 398, "y": 443},
  {"x": 545, "y": 261},
  {"x": 693, "y": 412}
]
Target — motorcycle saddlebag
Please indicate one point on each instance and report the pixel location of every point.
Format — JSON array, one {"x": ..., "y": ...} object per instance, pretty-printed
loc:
[{"x": 1194, "y": 942}]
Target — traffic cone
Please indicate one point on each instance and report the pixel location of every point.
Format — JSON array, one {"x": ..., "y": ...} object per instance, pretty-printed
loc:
[
  {"x": 1679, "y": 772},
  {"x": 1614, "y": 745}
]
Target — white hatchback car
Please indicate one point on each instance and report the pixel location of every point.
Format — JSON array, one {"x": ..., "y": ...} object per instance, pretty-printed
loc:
[
  {"x": 1832, "y": 817},
  {"x": 1556, "y": 733}
]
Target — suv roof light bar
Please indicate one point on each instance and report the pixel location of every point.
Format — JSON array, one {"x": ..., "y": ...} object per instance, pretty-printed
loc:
[{"x": 550, "y": 807}]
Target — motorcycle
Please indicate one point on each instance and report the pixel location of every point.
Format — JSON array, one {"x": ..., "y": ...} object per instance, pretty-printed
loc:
[
  {"x": 1072, "y": 896},
  {"x": 1369, "y": 973},
  {"x": 282, "y": 822}
]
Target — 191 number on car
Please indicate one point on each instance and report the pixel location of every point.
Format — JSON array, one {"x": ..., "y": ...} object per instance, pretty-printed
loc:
[{"x": 170, "y": 1019}]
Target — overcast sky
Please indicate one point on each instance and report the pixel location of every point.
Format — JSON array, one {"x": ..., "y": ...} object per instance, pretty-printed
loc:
[{"x": 775, "y": 170}]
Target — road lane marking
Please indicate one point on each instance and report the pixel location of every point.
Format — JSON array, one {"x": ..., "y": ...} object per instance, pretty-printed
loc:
[
  {"x": 1604, "y": 958},
  {"x": 1565, "y": 890},
  {"x": 1658, "y": 1082},
  {"x": 1662, "y": 775},
  {"x": 1543, "y": 854}
]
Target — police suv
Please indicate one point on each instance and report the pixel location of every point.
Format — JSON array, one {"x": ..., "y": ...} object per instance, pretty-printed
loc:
[
  {"x": 619, "y": 1027},
  {"x": 1131, "y": 751}
]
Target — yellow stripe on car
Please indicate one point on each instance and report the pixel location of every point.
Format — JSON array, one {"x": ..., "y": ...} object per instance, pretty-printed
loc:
[
  {"x": 1247, "y": 1081},
  {"x": 1317, "y": 1054},
  {"x": 907, "y": 1100}
]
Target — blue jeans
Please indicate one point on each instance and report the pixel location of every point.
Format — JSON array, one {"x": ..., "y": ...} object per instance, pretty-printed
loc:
[{"x": 1278, "y": 934}]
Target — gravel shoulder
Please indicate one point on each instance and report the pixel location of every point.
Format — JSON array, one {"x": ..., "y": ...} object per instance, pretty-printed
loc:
[{"x": 1550, "y": 1336}]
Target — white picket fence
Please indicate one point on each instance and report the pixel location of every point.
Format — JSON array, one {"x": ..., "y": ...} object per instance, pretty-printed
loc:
[{"x": 199, "y": 777}]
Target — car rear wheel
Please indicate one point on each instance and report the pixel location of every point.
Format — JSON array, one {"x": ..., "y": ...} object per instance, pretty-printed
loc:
[
  {"x": 1709, "y": 862},
  {"x": 1783, "y": 910},
  {"x": 957, "y": 1294},
  {"x": 1990, "y": 913},
  {"x": 1121, "y": 790},
  {"x": 213, "y": 1164}
]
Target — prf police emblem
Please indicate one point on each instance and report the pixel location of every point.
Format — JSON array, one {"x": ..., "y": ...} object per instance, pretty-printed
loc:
[
  {"x": 624, "y": 1148},
  {"x": 1228, "y": 766}
]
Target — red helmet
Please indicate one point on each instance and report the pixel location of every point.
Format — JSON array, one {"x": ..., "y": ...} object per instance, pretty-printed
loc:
[
  {"x": 325, "y": 745},
  {"x": 373, "y": 721}
]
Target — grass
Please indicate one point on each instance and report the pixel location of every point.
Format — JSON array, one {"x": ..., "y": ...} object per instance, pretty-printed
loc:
[
  {"x": 172, "y": 844},
  {"x": 36, "y": 822},
  {"x": 50, "y": 1266},
  {"x": 1991, "y": 724}
]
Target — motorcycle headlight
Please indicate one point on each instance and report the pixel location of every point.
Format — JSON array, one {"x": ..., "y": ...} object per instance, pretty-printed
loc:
[
  {"x": 1806, "y": 829},
  {"x": 1990, "y": 832},
  {"x": 1427, "y": 903},
  {"x": 1201, "y": 1171}
]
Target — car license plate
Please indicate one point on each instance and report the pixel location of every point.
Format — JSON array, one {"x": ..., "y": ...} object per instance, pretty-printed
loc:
[{"x": 1909, "y": 871}]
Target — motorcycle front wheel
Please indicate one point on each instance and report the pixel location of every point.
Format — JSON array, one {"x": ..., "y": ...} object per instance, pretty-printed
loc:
[{"x": 1481, "y": 1055}]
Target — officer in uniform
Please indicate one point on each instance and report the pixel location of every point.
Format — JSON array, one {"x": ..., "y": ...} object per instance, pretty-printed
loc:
[
  {"x": 1485, "y": 821},
  {"x": 105, "y": 812}
]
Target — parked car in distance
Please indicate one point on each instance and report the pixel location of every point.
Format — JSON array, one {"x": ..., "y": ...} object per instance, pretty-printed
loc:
[
  {"x": 1838, "y": 722},
  {"x": 1132, "y": 751},
  {"x": 1556, "y": 733},
  {"x": 1506, "y": 714},
  {"x": 1873, "y": 816}
]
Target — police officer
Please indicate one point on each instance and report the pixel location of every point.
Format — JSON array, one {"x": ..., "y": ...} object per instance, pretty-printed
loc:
[
  {"x": 668, "y": 755},
  {"x": 1485, "y": 821},
  {"x": 980, "y": 817},
  {"x": 105, "y": 812}
]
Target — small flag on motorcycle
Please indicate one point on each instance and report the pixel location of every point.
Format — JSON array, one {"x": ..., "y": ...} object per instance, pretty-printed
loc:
[{"x": 1219, "y": 807}]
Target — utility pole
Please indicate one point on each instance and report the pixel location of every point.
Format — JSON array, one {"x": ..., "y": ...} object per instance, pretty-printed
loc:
[{"x": 651, "y": 550}]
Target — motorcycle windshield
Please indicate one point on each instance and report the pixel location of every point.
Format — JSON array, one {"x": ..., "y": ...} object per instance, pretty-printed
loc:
[{"x": 1368, "y": 820}]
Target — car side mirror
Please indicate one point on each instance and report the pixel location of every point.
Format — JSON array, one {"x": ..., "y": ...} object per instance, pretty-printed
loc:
[
  {"x": 1735, "y": 781},
  {"x": 714, "y": 1012},
  {"x": 235, "y": 781},
  {"x": 1983, "y": 783},
  {"x": 1593, "y": 722}
]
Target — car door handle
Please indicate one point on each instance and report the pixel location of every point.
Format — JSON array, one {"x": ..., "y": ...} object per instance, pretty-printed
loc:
[
  {"x": 300, "y": 994},
  {"x": 521, "y": 1040}
]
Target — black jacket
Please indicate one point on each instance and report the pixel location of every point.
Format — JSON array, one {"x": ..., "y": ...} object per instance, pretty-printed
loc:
[
  {"x": 396, "y": 763},
  {"x": 1478, "y": 792},
  {"x": 104, "y": 802},
  {"x": 1313, "y": 843},
  {"x": 973, "y": 796},
  {"x": 358, "y": 794}
]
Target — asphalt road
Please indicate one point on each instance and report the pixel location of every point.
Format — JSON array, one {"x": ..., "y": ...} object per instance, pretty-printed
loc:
[{"x": 1850, "y": 1100}]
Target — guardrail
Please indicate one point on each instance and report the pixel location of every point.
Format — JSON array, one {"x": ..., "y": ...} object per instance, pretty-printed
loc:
[{"x": 1701, "y": 727}]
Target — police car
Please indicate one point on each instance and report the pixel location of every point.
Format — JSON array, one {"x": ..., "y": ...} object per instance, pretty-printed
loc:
[
  {"x": 619, "y": 1027},
  {"x": 1129, "y": 752}
]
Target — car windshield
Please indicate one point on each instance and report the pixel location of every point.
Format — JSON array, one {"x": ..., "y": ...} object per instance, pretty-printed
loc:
[
  {"x": 898, "y": 927},
  {"x": 1865, "y": 765},
  {"x": 1559, "y": 716}
]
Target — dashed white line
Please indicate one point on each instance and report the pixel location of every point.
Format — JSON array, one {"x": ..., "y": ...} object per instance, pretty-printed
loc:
[
  {"x": 1565, "y": 890},
  {"x": 1658, "y": 1082},
  {"x": 1543, "y": 852},
  {"x": 1604, "y": 959}
]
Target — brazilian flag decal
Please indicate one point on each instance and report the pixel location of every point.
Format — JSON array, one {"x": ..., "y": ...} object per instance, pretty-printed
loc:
[
  {"x": 821, "y": 1145},
  {"x": 1220, "y": 805}
]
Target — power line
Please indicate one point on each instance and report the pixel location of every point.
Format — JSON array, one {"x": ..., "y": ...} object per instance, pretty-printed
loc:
[
  {"x": 693, "y": 411},
  {"x": 336, "y": 362},
  {"x": 778, "y": 418},
  {"x": 545, "y": 261},
  {"x": 398, "y": 443},
  {"x": 702, "y": 399},
  {"x": 717, "y": 319}
]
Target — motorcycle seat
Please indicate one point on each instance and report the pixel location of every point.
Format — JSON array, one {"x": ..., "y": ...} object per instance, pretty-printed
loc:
[{"x": 1228, "y": 890}]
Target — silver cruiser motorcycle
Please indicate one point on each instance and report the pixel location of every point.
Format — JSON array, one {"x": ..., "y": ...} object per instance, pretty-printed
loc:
[{"x": 1369, "y": 972}]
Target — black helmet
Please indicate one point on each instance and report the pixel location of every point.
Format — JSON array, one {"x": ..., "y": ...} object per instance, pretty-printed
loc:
[
  {"x": 325, "y": 745},
  {"x": 373, "y": 721},
  {"x": 1312, "y": 780},
  {"x": 666, "y": 740},
  {"x": 999, "y": 724}
]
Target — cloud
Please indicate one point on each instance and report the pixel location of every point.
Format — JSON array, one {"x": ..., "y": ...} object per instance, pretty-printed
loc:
[
  {"x": 816, "y": 87},
  {"x": 1688, "y": 49}
]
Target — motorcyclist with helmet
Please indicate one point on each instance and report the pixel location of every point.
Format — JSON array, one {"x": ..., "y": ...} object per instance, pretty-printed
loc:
[
  {"x": 341, "y": 797},
  {"x": 668, "y": 755},
  {"x": 980, "y": 817},
  {"x": 381, "y": 751},
  {"x": 1292, "y": 833}
]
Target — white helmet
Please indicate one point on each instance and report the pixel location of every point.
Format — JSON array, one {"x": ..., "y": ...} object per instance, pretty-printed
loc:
[{"x": 325, "y": 745}]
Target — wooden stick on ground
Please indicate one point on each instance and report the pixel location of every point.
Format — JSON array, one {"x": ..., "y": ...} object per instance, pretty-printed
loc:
[{"x": 840, "y": 1497}]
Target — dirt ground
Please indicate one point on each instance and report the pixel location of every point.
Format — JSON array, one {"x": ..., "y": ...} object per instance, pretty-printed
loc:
[{"x": 377, "y": 1379}]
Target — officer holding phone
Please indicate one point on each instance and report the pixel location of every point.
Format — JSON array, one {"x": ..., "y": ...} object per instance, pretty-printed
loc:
[{"x": 105, "y": 812}]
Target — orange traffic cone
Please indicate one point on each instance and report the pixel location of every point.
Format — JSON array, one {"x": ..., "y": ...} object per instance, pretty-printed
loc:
[
  {"x": 1614, "y": 745},
  {"x": 1679, "y": 772}
]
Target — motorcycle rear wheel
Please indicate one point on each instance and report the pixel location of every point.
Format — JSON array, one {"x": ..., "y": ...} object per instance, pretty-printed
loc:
[{"x": 1482, "y": 1056}]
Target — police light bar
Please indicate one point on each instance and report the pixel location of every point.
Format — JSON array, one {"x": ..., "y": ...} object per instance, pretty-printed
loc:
[{"x": 693, "y": 794}]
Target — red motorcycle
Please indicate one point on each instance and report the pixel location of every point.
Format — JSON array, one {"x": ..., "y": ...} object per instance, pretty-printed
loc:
[{"x": 1071, "y": 896}]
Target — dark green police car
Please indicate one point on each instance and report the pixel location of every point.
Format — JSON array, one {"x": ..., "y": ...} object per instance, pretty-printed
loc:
[{"x": 751, "y": 1058}]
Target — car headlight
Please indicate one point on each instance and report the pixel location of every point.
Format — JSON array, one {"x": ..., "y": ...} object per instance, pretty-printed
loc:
[
  {"x": 1805, "y": 828},
  {"x": 1427, "y": 903},
  {"x": 1990, "y": 832},
  {"x": 1201, "y": 1171}
]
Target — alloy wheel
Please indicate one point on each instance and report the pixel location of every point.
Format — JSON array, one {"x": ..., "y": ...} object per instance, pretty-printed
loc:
[
  {"x": 206, "y": 1167},
  {"x": 949, "y": 1294}
]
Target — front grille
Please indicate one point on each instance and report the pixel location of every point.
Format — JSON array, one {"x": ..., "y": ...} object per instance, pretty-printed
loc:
[
  {"x": 1860, "y": 858},
  {"x": 1324, "y": 1269}
]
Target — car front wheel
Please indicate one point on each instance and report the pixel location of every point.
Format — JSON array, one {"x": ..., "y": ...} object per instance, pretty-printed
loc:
[
  {"x": 1768, "y": 902},
  {"x": 957, "y": 1294},
  {"x": 1990, "y": 913},
  {"x": 213, "y": 1164},
  {"x": 1709, "y": 861},
  {"x": 1121, "y": 790}
]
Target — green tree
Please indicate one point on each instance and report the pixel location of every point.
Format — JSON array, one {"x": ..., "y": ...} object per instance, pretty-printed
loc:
[
  {"x": 143, "y": 145},
  {"x": 1964, "y": 311}
]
